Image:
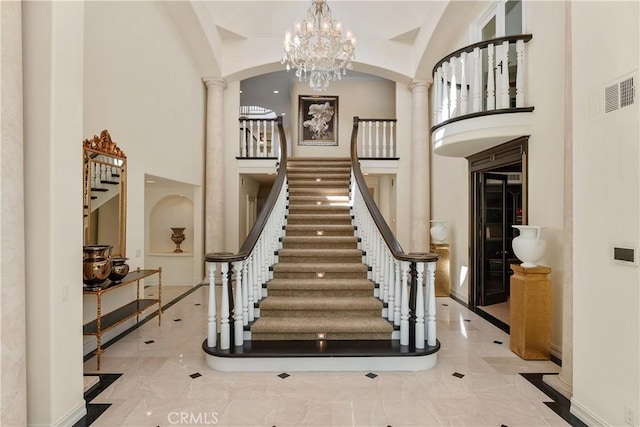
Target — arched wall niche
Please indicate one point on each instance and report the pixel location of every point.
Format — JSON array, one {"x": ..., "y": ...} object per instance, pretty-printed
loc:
[{"x": 174, "y": 210}]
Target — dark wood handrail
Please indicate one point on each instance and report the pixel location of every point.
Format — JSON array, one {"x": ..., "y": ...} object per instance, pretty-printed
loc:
[
  {"x": 265, "y": 213},
  {"x": 381, "y": 223},
  {"x": 471, "y": 47},
  {"x": 377, "y": 120}
]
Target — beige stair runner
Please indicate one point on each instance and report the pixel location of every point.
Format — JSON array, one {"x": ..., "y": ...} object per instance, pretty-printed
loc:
[{"x": 320, "y": 286}]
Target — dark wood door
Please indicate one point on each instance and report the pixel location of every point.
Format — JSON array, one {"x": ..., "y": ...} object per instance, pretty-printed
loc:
[{"x": 494, "y": 239}]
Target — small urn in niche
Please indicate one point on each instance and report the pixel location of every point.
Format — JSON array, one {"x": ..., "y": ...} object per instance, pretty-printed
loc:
[{"x": 177, "y": 236}]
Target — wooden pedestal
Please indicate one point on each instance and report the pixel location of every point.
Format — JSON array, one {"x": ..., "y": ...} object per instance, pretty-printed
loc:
[
  {"x": 443, "y": 275},
  {"x": 530, "y": 308}
]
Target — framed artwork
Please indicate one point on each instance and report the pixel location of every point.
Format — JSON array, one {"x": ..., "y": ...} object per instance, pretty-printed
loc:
[{"x": 317, "y": 120}]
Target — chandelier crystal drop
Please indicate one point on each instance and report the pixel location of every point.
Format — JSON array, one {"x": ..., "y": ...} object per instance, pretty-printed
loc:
[{"x": 318, "y": 48}]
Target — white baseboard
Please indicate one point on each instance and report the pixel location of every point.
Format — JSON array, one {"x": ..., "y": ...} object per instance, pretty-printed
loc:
[
  {"x": 585, "y": 415},
  {"x": 556, "y": 351},
  {"x": 73, "y": 416}
]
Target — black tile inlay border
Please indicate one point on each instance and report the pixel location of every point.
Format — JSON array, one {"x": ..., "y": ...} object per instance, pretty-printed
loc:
[
  {"x": 196, "y": 375},
  {"x": 143, "y": 321},
  {"x": 497, "y": 342},
  {"x": 177, "y": 320},
  {"x": 149, "y": 342},
  {"x": 560, "y": 404},
  {"x": 284, "y": 375},
  {"x": 458, "y": 375},
  {"x": 94, "y": 410},
  {"x": 371, "y": 375}
]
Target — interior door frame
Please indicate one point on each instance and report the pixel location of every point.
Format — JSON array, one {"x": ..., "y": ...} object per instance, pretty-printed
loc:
[{"x": 505, "y": 154}]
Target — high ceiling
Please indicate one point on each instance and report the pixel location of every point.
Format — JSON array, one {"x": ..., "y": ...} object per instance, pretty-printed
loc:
[{"x": 239, "y": 40}]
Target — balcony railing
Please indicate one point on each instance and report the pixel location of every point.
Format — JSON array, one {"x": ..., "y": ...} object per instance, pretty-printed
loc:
[
  {"x": 377, "y": 139},
  {"x": 259, "y": 139},
  {"x": 483, "y": 78}
]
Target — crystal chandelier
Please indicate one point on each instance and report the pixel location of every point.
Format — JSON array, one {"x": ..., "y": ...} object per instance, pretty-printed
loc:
[{"x": 318, "y": 48}]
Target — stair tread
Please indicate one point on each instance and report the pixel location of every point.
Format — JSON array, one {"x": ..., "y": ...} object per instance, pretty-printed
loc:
[
  {"x": 319, "y": 239},
  {"x": 320, "y": 284},
  {"x": 305, "y": 252},
  {"x": 320, "y": 303},
  {"x": 321, "y": 324},
  {"x": 319, "y": 226},
  {"x": 320, "y": 267}
]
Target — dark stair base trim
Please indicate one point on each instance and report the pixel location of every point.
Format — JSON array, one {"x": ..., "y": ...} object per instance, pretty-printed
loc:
[{"x": 359, "y": 348}]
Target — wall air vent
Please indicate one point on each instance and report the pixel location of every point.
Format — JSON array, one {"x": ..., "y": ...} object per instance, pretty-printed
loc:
[
  {"x": 620, "y": 94},
  {"x": 627, "y": 92}
]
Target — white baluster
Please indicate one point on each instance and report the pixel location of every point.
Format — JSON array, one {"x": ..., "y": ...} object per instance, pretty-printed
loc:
[
  {"x": 245, "y": 293},
  {"x": 437, "y": 99},
  {"x": 392, "y": 147},
  {"x": 377, "y": 139},
  {"x": 384, "y": 140},
  {"x": 445, "y": 91},
  {"x": 259, "y": 143},
  {"x": 363, "y": 140},
  {"x": 520, "y": 74},
  {"x": 370, "y": 154},
  {"x": 212, "y": 326},
  {"x": 251, "y": 138},
  {"x": 269, "y": 138},
  {"x": 392, "y": 286},
  {"x": 398, "y": 292},
  {"x": 404, "y": 309},
  {"x": 453, "y": 90},
  {"x": 505, "y": 75},
  {"x": 431, "y": 304},
  {"x": 243, "y": 140},
  {"x": 419, "y": 305},
  {"x": 464, "y": 91},
  {"x": 225, "y": 330},
  {"x": 491, "y": 92},
  {"x": 238, "y": 308},
  {"x": 383, "y": 272},
  {"x": 250, "y": 282},
  {"x": 477, "y": 81}
]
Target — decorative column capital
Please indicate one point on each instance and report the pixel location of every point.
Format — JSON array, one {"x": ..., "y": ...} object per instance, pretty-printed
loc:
[
  {"x": 214, "y": 82},
  {"x": 419, "y": 83}
]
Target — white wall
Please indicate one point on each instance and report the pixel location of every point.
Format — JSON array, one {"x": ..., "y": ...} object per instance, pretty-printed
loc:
[
  {"x": 373, "y": 99},
  {"x": 143, "y": 84},
  {"x": 53, "y": 90},
  {"x": 606, "y": 373},
  {"x": 450, "y": 199},
  {"x": 120, "y": 66}
]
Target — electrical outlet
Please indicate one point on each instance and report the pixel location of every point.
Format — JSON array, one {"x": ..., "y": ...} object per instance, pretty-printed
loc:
[{"x": 629, "y": 416}]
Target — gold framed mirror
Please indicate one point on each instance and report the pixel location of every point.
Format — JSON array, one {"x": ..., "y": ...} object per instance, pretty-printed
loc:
[{"x": 104, "y": 179}]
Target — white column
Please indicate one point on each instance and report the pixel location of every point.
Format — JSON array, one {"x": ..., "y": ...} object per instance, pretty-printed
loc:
[
  {"x": 13, "y": 366},
  {"x": 214, "y": 166},
  {"x": 420, "y": 165},
  {"x": 53, "y": 61}
]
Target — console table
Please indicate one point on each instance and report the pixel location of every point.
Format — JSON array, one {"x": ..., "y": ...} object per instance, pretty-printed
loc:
[{"x": 110, "y": 320}]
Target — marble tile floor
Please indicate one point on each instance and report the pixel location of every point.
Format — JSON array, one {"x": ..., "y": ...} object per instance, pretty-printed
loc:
[
  {"x": 500, "y": 311},
  {"x": 165, "y": 381}
]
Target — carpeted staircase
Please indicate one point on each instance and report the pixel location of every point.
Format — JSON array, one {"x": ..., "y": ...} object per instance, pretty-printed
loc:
[{"x": 320, "y": 284}]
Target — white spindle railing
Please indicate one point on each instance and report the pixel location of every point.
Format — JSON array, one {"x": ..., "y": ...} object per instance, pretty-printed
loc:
[
  {"x": 259, "y": 138},
  {"x": 397, "y": 277},
  {"x": 377, "y": 140},
  {"x": 250, "y": 273},
  {"x": 479, "y": 78}
]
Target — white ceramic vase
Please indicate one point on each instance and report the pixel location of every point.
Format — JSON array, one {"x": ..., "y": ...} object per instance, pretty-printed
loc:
[
  {"x": 529, "y": 247},
  {"x": 438, "y": 231}
]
